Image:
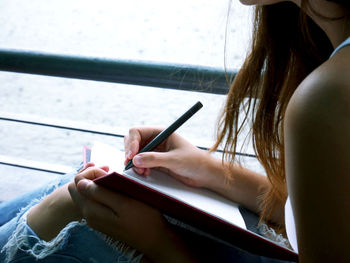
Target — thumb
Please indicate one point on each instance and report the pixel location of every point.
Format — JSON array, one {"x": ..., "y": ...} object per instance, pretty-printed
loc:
[
  {"x": 92, "y": 191},
  {"x": 102, "y": 195},
  {"x": 85, "y": 186},
  {"x": 152, "y": 159},
  {"x": 91, "y": 173}
]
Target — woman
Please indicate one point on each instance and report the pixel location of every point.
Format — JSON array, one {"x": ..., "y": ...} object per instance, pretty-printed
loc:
[{"x": 300, "y": 126}]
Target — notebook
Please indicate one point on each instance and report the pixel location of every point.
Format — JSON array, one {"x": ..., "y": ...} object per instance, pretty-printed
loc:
[{"x": 198, "y": 210}]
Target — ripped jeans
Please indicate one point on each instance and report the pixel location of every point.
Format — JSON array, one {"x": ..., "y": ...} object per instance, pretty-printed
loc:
[{"x": 77, "y": 242}]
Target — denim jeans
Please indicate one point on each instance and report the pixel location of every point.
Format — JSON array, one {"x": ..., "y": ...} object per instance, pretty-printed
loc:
[{"x": 77, "y": 242}]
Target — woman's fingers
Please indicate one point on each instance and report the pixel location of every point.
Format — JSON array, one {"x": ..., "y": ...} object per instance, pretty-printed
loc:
[
  {"x": 119, "y": 216},
  {"x": 140, "y": 171},
  {"x": 91, "y": 173},
  {"x": 132, "y": 146},
  {"x": 102, "y": 195},
  {"x": 153, "y": 159},
  {"x": 90, "y": 209},
  {"x": 87, "y": 165},
  {"x": 105, "y": 168},
  {"x": 94, "y": 211},
  {"x": 137, "y": 138},
  {"x": 132, "y": 142}
]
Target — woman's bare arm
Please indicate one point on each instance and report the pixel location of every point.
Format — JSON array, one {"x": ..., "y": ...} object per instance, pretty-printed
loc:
[
  {"x": 51, "y": 215},
  {"x": 198, "y": 168},
  {"x": 240, "y": 185},
  {"x": 317, "y": 148}
]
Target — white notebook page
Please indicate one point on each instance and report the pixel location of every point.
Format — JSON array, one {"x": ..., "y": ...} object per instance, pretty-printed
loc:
[{"x": 205, "y": 200}]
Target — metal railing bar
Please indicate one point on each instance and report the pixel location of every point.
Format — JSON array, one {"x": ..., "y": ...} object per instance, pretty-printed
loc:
[
  {"x": 35, "y": 165},
  {"x": 170, "y": 76},
  {"x": 161, "y": 75},
  {"x": 83, "y": 127},
  {"x": 63, "y": 124}
]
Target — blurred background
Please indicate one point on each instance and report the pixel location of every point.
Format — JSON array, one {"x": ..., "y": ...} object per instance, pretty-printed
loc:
[{"x": 184, "y": 32}]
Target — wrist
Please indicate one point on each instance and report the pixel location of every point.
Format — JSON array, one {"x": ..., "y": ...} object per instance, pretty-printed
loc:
[
  {"x": 61, "y": 204},
  {"x": 215, "y": 172},
  {"x": 66, "y": 206},
  {"x": 241, "y": 185},
  {"x": 52, "y": 214}
]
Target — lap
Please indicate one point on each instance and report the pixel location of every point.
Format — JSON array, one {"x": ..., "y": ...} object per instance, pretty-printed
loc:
[
  {"x": 80, "y": 243},
  {"x": 10, "y": 209},
  {"x": 208, "y": 250}
]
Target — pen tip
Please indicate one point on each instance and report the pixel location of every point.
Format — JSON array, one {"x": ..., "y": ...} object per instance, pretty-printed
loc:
[{"x": 128, "y": 166}]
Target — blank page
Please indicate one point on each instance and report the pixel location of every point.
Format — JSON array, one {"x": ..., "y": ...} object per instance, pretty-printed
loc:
[{"x": 203, "y": 199}]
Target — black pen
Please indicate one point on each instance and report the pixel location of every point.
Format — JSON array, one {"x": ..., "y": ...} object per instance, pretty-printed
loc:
[{"x": 168, "y": 131}]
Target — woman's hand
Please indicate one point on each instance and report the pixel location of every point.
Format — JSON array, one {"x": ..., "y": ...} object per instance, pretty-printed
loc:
[
  {"x": 195, "y": 167},
  {"x": 123, "y": 218},
  {"x": 55, "y": 211},
  {"x": 175, "y": 155}
]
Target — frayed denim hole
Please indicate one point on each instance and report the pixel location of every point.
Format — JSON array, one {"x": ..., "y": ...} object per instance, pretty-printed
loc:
[
  {"x": 26, "y": 240},
  {"x": 129, "y": 254}
]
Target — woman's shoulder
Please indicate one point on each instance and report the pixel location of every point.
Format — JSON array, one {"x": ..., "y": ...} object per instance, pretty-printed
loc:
[
  {"x": 317, "y": 154},
  {"x": 325, "y": 92},
  {"x": 335, "y": 72}
]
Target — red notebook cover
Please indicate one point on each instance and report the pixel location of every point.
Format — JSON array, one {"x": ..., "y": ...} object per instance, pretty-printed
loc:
[
  {"x": 212, "y": 226},
  {"x": 215, "y": 227}
]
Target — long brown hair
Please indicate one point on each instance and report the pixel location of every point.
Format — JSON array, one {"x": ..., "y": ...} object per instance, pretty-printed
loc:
[{"x": 286, "y": 46}]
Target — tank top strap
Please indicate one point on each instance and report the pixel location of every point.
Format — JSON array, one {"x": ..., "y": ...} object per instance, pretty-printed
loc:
[{"x": 343, "y": 44}]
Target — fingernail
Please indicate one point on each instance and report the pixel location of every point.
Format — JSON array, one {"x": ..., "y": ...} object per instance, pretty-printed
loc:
[
  {"x": 129, "y": 155},
  {"x": 137, "y": 160}
]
